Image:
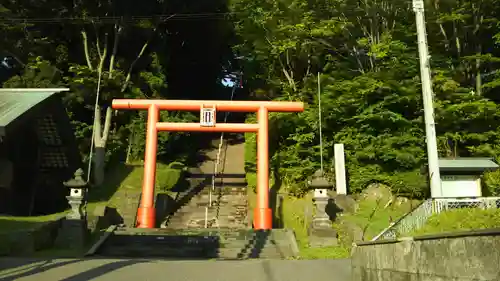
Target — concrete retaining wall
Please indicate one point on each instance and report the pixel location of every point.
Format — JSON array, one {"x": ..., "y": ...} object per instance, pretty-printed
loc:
[
  {"x": 471, "y": 255},
  {"x": 26, "y": 242}
]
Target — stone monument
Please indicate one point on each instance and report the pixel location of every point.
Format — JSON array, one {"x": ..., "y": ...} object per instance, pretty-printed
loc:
[
  {"x": 73, "y": 233},
  {"x": 321, "y": 232}
]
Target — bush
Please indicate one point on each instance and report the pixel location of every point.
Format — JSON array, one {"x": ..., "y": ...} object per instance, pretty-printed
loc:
[
  {"x": 410, "y": 184},
  {"x": 491, "y": 183},
  {"x": 461, "y": 219},
  {"x": 169, "y": 176}
]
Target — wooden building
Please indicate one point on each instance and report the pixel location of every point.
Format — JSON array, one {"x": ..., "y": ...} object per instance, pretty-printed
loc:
[{"x": 38, "y": 151}]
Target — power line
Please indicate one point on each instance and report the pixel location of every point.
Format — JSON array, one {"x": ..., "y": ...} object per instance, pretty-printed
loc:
[
  {"x": 127, "y": 19},
  {"x": 114, "y": 19}
]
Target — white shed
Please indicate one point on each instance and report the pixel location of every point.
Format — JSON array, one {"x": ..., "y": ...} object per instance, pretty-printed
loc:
[{"x": 461, "y": 177}]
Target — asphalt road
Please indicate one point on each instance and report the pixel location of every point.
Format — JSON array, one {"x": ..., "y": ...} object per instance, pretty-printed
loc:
[{"x": 148, "y": 269}]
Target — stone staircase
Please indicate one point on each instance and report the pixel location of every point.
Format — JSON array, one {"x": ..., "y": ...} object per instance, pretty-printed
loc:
[
  {"x": 225, "y": 244},
  {"x": 229, "y": 199},
  {"x": 195, "y": 230}
]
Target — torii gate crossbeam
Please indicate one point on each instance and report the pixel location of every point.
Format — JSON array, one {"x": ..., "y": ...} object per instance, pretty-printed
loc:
[{"x": 262, "y": 213}]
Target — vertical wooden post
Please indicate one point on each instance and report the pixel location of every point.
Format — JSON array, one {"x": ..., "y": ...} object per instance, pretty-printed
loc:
[
  {"x": 146, "y": 212},
  {"x": 262, "y": 214}
]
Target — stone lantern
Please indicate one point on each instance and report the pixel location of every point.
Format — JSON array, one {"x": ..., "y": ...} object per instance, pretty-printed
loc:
[
  {"x": 77, "y": 196},
  {"x": 321, "y": 233},
  {"x": 321, "y": 198},
  {"x": 74, "y": 230}
]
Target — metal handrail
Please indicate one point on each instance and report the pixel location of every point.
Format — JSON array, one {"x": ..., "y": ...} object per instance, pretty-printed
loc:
[
  {"x": 417, "y": 217},
  {"x": 217, "y": 162},
  {"x": 396, "y": 222}
]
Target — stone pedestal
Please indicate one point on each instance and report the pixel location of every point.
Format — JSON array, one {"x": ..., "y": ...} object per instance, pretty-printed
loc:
[
  {"x": 321, "y": 218},
  {"x": 322, "y": 233},
  {"x": 72, "y": 235}
]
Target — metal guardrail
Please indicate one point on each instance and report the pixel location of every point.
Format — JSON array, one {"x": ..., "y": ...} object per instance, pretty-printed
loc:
[
  {"x": 419, "y": 215},
  {"x": 443, "y": 204},
  {"x": 216, "y": 166},
  {"x": 416, "y": 218}
]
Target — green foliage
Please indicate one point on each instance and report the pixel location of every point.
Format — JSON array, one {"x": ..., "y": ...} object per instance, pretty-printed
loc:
[
  {"x": 365, "y": 54},
  {"x": 461, "y": 220},
  {"x": 372, "y": 216},
  {"x": 370, "y": 93},
  {"x": 491, "y": 183},
  {"x": 117, "y": 58},
  {"x": 167, "y": 177}
]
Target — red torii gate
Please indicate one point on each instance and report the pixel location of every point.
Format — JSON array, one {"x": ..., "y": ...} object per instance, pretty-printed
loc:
[{"x": 262, "y": 213}]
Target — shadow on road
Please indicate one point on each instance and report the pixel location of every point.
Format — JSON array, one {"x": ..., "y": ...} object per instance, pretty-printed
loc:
[
  {"x": 51, "y": 264},
  {"x": 101, "y": 270},
  {"x": 36, "y": 269}
]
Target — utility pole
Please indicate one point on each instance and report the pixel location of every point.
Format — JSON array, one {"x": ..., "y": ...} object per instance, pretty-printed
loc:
[
  {"x": 425, "y": 73},
  {"x": 320, "y": 125}
]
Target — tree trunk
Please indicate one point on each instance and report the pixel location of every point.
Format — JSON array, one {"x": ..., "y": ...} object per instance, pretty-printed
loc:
[
  {"x": 99, "y": 163},
  {"x": 100, "y": 140}
]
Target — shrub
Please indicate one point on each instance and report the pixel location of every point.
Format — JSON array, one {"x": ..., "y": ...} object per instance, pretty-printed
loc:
[
  {"x": 491, "y": 183},
  {"x": 461, "y": 219},
  {"x": 167, "y": 176}
]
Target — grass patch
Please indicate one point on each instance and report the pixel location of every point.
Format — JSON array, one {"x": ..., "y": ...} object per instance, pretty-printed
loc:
[
  {"x": 369, "y": 219},
  {"x": 460, "y": 220},
  {"x": 372, "y": 216},
  {"x": 11, "y": 224},
  {"x": 128, "y": 177},
  {"x": 121, "y": 177},
  {"x": 296, "y": 215}
]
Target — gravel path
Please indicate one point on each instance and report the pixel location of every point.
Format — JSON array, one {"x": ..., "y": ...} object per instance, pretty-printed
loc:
[{"x": 141, "y": 269}]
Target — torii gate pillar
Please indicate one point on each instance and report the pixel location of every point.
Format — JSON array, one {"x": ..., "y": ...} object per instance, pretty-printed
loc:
[{"x": 262, "y": 218}]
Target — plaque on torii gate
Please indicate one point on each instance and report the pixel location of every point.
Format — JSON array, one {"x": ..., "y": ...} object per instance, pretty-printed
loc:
[
  {"x": 262, "y": 213},
  {"x": 207, "y": 116}
]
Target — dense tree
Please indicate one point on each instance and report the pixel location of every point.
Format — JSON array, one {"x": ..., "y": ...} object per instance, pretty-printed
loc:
[
  {"x": 114, "y": 49},
  {"x": 364, "y": 53},
  {"x": 367, "y": 55}
]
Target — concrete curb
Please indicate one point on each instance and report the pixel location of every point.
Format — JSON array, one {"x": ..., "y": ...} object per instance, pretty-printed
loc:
[
  {"x": 449, "y": 235},
  {"x": 101, "y": 240},
  {"x": 293, "y": 242}
]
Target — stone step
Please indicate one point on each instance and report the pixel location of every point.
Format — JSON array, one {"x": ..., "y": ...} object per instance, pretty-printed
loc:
[
  {"x": 222, "y": 221},
  {"x": 200, "y": 223},
  {"x": 206, "y": 195},
  {"x": 226, "y": 183},
  {"x": 201, "y": 215},
  {"x": 221, "y": 204},
  {"x": 193, "y": 253},
  {"x": 225, "y": 233},
  {"x": 223, "y": 198},
  {"x": 198, "y": 205},
  {"x": 193, "y": 206},
  {"x": 224, "y": 190},
  {"x": 226, "y": 217},
  {"x": 196, "y": 244}
]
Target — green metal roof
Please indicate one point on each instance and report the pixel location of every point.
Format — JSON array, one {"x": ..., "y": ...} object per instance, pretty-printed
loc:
[
  {"x": 467, "y": 164},
  {"x": 14, "y": 103}
]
